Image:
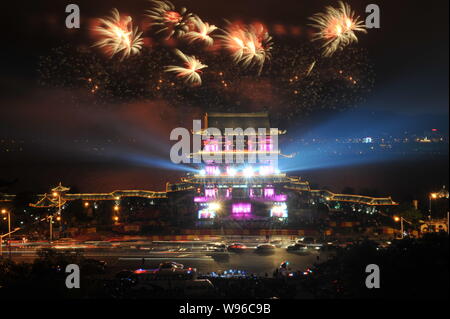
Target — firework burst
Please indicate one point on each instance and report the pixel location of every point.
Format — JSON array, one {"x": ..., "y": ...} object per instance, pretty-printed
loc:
[
  {"x": 190, "y": 71},
  {"x": 117, "y": 35},
  {"x": 165, "y": 18},
  {"x": 249, "y": 45},
  {"x": 201, "y": 33},
  {"x": 337, "y": 27}
]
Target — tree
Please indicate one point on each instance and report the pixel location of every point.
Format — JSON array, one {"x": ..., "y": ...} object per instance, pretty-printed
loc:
[{"x": 409, "y": 212}]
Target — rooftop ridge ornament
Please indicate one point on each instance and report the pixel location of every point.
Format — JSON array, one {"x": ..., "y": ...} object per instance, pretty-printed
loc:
[{"x": 60, "y": 188}]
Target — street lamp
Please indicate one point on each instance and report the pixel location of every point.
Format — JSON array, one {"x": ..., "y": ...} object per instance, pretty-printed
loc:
[
  {"x": 401, "y": 220},
  {"x": 57, "y": 194},
  {"x": 51, "y": 227},
  {"x": 4, "y": 211},
  {"x": 443, "y": 193}
]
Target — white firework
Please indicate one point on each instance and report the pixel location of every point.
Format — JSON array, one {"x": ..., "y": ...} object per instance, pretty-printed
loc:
[
  {"x": 249, "y": 45},
  {"x": 202, "y": 32},
  {"x": 337, "y": 27},
  {"x": 117, "y": 35},
  {"x": 191, "y": 69}
]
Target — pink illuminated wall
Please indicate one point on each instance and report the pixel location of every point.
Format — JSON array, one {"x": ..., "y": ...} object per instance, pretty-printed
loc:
[
  {"x": 245, "y": 208},
  {"x": 266, "y": 146},
  {"x": 212, "y": 170},
  {"x": 200, "y": 199},
  {"x": 241, "y": 210},
  {"x": 211, "y": 146},
  {"x": 210, "y": 192},
  {"x": 269, "y": 192}
]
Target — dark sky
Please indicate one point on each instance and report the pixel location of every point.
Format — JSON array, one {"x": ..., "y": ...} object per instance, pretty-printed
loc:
[{"x": 409, "y": 52}]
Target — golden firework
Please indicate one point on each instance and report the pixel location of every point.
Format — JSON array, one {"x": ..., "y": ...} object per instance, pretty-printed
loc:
[
  {"x": 165, "y": 18},
  {"x": 191, "y": 69},
  {"x": 249, "y": 45},
  {"x": 117, "y": 35},
  {"x": 202, "y": 32},
  {"x": 337, "y": 27}
]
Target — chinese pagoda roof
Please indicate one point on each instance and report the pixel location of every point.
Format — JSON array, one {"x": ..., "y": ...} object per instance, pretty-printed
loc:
[{"x": 45, "y": 202}]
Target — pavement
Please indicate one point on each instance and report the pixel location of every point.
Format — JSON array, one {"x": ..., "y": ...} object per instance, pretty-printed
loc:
[{"x": 146, "y": 254}]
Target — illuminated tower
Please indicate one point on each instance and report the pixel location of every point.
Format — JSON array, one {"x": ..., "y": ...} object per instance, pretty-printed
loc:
[{"x": 239, "y": 177}]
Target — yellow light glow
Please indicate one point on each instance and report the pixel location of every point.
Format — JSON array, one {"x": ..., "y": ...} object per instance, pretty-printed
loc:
[{"x": 214, "y": 206}]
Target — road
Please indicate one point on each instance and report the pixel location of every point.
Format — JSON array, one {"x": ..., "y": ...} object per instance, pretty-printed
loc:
[{"x": 126, "y": 255}]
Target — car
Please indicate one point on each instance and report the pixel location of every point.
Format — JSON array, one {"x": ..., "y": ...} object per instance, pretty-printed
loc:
[
  {"x": 170, "y": 265},
  {"x": 297, "y": 247},
  {"x": 265, "y": 248},
  {"x": 277, "y": 243},
  {"x": 218, "y": 247},
  {"x": 237, "y": 247},
  {"x": 306, "y": 240},
  {"x": 310, "y": 242}
]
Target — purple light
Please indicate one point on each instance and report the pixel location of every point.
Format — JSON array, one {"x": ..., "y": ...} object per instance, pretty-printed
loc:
[
  {"x": 267, "y": 146},
  {"x": 269, "y": 192},
  {"x": 212, "y": 170},
  {"x": 210, "y": 192},
  {"x": 279, "y": 198},
  {"x": 211, "y": 146},
  {"x": 200, "y": 199},
  {"x": 242, "y": 208}
]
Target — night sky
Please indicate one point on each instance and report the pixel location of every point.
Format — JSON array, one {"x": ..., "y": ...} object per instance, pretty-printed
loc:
[{"x": 409, "y": 55}]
